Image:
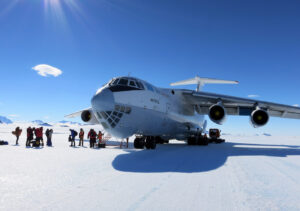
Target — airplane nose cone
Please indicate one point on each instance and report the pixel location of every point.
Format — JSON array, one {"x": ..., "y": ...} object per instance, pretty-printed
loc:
[{"x": 103, "y": 101}]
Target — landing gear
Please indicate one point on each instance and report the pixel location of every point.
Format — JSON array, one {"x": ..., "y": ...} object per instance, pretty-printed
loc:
[
  {"x": 203, "y": 141},
  {"x": 149, "y": 142},
  {"x": 160, "y": 140},
  {"x": 139, "y": 143},
  {"x": 192, "y": 140}
]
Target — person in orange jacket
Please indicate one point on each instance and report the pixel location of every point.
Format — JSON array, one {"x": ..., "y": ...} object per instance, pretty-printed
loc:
[{"x": 81, "y": 137}]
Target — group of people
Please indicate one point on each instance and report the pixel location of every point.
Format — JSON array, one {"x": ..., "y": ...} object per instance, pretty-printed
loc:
[
  {"x": 92, "y": 136},
  {"x": 39, "y": 140},
  {"x": 38, "y": 133}
]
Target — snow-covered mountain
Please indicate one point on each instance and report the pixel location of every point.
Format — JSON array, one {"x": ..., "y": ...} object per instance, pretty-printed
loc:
[
  {"x": 39, "y": 122},
  {"x": 5, "y": 120}
]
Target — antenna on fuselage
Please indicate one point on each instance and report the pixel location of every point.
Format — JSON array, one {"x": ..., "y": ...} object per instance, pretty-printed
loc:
[{"x": 200, "y": 82}]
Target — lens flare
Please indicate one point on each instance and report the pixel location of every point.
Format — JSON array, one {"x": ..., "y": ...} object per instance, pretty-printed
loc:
[{"x": 57, "y": 9}]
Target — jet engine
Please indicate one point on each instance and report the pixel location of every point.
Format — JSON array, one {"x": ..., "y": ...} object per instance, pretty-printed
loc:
[
  {"x": 88, "y": 117},
  {"x": 217, "y": 113},
  {"x": 259, "y": 118}
]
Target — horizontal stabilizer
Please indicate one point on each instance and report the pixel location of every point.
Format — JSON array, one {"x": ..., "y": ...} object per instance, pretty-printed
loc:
[{"x": 202, "y": 81}]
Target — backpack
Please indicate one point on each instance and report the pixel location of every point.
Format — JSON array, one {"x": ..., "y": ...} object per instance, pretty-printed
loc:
[
  {"x": 75, "y": 133},
  {"x": 3, "y": 143}
]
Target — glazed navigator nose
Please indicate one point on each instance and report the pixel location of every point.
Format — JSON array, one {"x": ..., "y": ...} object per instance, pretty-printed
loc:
[{"x": 103, "y": 101}]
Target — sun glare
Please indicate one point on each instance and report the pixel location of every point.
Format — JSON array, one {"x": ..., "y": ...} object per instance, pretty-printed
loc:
[{"x": 56, "y": 8}]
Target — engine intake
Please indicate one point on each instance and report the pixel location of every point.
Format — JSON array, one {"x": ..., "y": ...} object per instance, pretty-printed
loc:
[
  {"x": 88, "y": 117},
  {"x": 259, "y": 118},
  {"x": 217, "y": 114}
]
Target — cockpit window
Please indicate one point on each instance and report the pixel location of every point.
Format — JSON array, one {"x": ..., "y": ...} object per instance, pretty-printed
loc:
[
  {"x": 126, "y": 84},
  {"x": 123, "y": 82},
  {"x": 132, "y": 83},
  {"x": 149, "y": 87},
  {"x": 115, "y": 82},
  {"x": 140, "y": 85}
]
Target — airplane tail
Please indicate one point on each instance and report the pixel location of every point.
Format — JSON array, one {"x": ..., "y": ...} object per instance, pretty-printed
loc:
[{"x": 200, "y": 82}]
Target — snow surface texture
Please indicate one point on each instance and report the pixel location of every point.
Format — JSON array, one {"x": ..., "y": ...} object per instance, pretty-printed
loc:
[{"x": 245, "y": 173}]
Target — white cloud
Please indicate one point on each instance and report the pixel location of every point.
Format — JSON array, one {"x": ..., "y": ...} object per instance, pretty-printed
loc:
[
  {"x": 253, "y": 96},
  {"x": 296, "y": 105},
  {"x": 47, "y": 70}
]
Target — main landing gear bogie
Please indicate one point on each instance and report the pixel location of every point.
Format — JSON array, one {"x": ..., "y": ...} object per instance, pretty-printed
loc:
[
  {"x": 203, "y": 141},
  {"x": 141, "y": 142}
]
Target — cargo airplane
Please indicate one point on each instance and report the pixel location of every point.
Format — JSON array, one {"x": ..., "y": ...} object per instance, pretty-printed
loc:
[{"x": 129, "y": 106}]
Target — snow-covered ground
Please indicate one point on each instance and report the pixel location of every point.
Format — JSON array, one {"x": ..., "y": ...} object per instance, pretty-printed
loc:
[{"x": 245, "y": 173}]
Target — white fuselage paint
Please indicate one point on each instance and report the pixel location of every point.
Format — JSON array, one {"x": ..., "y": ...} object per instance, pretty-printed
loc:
[{"x": 152, "y": 113}]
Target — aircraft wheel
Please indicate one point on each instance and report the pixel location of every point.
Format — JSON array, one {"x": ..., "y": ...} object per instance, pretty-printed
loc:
[
  {"x": 203, "y": 141},
  {"x": 219, "y": 141},
  {"x": 191, "y": 141},
  {"x": 139, "y": 143},
  {"x": 150, "y": 143}
]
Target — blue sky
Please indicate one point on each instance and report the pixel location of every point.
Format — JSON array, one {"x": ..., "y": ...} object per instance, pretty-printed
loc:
[{"x": 255, "y": 42}]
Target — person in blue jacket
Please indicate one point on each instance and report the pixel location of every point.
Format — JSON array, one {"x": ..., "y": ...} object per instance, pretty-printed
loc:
[{"x": 72, "y": 136}]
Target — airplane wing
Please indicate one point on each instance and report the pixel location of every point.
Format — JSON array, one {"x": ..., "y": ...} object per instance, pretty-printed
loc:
[
  {"x": 238, "y": 106},
  {"x": 77, "y": 114}
]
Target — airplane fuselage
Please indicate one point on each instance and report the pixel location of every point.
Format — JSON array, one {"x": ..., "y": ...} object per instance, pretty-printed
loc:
[{"x": 148, "y": 111}]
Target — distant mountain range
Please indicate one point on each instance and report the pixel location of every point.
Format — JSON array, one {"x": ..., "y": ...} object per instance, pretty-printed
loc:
[
  {"x": 42, "y": 123},
  {"x": 39, "y": 122},
  {"x": 69, "y": 122},
  {"x": 5, "y": 120}
]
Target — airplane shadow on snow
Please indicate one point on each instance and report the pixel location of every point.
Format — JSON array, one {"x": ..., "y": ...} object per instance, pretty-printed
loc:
[{"x": 191, "y": 159}]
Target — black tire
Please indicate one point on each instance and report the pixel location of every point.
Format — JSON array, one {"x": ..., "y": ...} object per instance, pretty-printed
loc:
[
  {"x": 153, "y": 144},
  {"x": 205, "y": 141},
  {"x": 136, "y": 143},
  {"x": 191, "y": 141},
  {"x": 219, "y": 141},
  {"x": 149, "y": 142},
  {"x": 139, "y": 143}
]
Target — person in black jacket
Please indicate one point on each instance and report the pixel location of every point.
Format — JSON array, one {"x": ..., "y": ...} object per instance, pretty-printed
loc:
[{"x": 29, "y": 136}]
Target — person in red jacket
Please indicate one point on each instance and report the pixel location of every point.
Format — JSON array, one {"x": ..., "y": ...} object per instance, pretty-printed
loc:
[
  {"x": 92, "y": 136},
  {"x": 38, "y": 134}
]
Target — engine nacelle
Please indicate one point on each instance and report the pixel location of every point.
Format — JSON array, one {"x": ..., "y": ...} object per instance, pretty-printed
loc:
[
  {"x": 259, "y": 118},
  {"x": 88, "y": 117},
  {"x": 217, "y": 114}
]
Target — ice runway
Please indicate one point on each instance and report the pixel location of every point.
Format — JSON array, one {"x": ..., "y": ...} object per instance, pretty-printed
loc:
[{"x": 245, "y": 173}]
